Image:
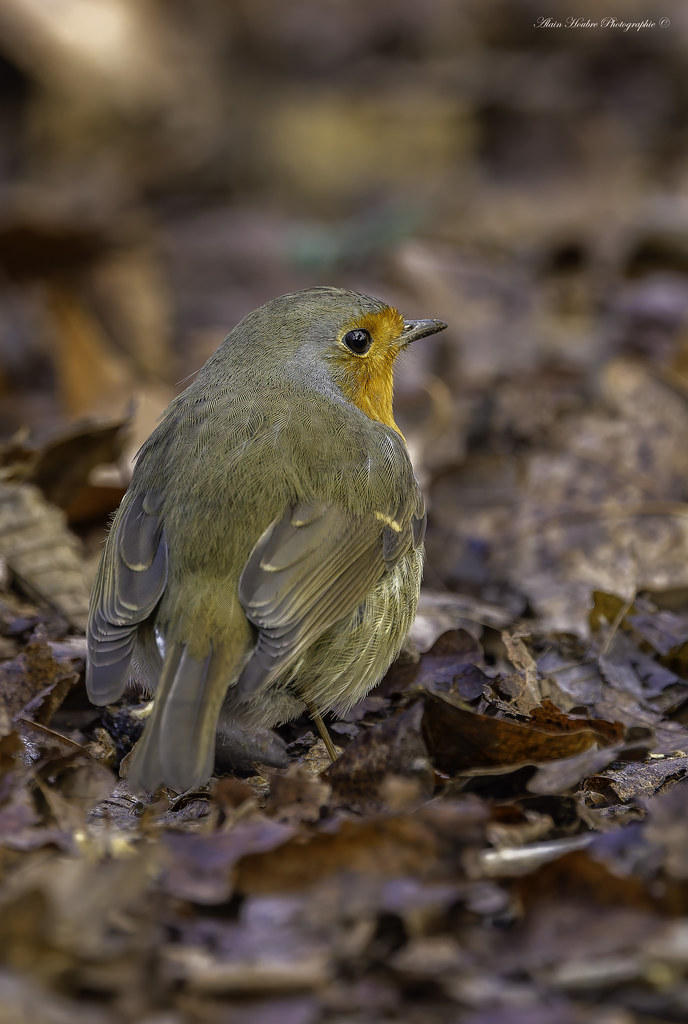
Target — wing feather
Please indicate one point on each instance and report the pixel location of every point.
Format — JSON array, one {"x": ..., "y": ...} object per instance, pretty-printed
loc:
[
  {"x": 130, "y": 582},
  {"x": 311, "y": 568}
]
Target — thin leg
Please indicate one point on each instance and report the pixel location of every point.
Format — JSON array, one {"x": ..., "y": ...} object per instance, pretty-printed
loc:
[{"x": 322, "y": 729}]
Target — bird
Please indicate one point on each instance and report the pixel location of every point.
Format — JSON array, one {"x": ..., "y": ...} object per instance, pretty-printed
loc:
[{"x": 266, "y": 558}]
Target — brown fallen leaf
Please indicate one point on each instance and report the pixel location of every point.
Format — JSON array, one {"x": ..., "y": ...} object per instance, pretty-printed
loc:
[
  {"x": 395, "y": 748},
  {"x": 297, "y": 795},
  {"x": 33, "y": 684},
  {"x": 581, "y": 877},
  {"x": 638, "y": 779},
  {"x": 63, "y": 465},
  {"x": 460, "y": 739},
  {"x": 427, "y": 842},
  {"x": 565, "y": 774},
  {"x": 200, "y": 868},
  {"x": 452, "y": 664},
  {"x": 21, "y": 825},
  {"x": 68, "y": 909},
  {"x": 91, "y": 375}
]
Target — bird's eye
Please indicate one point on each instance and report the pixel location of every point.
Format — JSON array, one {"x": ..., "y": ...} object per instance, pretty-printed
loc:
[{"x": 358, "y": 340}]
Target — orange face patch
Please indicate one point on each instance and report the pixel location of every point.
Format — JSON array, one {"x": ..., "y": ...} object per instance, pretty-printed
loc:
[{"x": 369, "y": 382}]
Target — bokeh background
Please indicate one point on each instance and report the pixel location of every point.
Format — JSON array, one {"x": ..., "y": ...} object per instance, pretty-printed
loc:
[
  {"x": 503, "y": 839},
  {"x": 167, "y": 166}
]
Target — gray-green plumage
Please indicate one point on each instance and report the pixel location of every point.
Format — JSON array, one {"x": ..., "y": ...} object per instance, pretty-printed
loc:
[{"x": 272, "y": 535}]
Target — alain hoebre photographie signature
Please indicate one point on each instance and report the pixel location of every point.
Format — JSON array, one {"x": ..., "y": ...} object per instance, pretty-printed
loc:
[{"x": 624, "y": 26}]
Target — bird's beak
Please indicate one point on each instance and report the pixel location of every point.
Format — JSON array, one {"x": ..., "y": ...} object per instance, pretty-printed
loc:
[{"x": 415, "y": 329}]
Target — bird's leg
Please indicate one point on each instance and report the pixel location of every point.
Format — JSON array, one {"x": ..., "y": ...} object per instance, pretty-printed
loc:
[{"x": 322, "y": 729}]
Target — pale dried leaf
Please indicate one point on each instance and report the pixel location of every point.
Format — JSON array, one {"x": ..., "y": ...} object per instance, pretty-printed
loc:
[{"x": 41, "y": 551}]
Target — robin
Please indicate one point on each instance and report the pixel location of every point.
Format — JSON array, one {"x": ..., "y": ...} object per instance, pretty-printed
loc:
[{"x": 268, "y": 553}]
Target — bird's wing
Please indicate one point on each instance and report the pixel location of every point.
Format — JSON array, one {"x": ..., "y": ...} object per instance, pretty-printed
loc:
[
  {"x": 310, "y": 569},
  {"x": 129, "y": 584}
]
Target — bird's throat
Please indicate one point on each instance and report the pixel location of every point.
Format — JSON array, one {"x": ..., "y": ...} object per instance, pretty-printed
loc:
[{"x": 372, "y": 388}]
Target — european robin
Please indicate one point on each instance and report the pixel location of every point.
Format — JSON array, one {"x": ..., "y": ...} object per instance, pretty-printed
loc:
[{"x": 268, "y": 553}]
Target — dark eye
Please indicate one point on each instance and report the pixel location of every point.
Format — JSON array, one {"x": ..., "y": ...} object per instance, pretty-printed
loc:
[{"x": 358, "y": 340}]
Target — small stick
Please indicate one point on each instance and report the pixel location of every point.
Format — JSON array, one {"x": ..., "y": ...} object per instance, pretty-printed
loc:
[{"x": 322, "y": 729}]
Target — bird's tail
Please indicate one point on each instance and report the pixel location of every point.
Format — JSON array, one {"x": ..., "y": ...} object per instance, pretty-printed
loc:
[{"x": 177, "y": 748}]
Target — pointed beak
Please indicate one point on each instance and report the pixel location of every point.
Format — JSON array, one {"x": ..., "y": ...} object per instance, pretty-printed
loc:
[{"x": 415, "y": 329}]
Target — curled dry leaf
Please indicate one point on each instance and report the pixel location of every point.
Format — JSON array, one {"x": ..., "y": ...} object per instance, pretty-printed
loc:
[
  {"x": 452, "y": 665},
  {"x": 459, "y": 739},
  {"x": 637, "y": 779},
  {"x": 238, "y": 749},
  {"x": 61, "y": 467}
]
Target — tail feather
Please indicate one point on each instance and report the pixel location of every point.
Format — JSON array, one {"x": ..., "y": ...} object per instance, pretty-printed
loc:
[{"x": 177, "y": 748}]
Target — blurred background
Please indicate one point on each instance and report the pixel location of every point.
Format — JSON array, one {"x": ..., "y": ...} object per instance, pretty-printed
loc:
[
  {"x": 165, "y": 167},
  {"x": 168, "y": 165}
]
